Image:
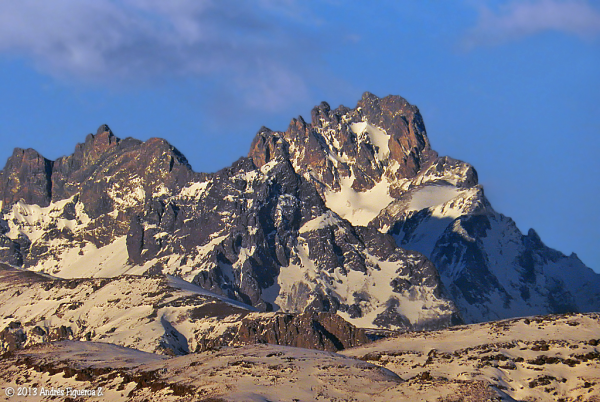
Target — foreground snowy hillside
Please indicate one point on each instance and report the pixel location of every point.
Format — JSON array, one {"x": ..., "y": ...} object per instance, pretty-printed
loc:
[{"x": 539, "y": 359}]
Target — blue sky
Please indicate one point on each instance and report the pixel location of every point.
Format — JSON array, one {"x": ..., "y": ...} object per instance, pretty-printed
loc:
[{"x": 512, "y": 87}]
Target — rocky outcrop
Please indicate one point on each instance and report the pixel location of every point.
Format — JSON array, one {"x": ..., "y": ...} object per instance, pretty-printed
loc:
[
  {"x": 245, "y": 228},
  {"x": 109, "y": 178},
  {"x": 103, "y": 171},
  {"x": 322, "y": 331}
]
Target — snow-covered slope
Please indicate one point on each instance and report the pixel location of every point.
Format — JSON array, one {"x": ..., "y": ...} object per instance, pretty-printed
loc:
[
  {"x": 252, "y": 373},
  {"x": 541, "y": 359},
  {"x": 151, "y": 313},
  {"x": 147, "y": 313}
]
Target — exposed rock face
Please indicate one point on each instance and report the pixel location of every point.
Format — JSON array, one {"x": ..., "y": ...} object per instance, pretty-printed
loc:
[
  {"x": 111, "y": 174},
  {"x": 323, "y": 331},
  {"x": 102, "y": 186},
  {"x": 318, "y": 218},
  {"x": 26, "y": 176},
  {"x": 105, "y": 172}
]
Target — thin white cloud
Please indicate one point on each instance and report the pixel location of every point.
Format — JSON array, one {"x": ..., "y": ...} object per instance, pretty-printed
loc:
[
  {"x": 517, "y": 19},
  {"x": 260, "y": 47}
]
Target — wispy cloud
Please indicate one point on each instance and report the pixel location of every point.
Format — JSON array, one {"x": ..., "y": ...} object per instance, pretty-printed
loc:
[
  {"x": 517, "y": 19},
  {"x": 257, "y": 47}
]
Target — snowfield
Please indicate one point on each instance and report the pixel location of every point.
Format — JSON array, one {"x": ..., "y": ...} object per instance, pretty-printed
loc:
[
  {"x": 358, "y": 207},
  {"x": 153, "y": 314}
]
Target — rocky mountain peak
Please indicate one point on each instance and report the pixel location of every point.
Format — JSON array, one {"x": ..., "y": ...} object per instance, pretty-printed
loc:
[
  {"x": 320, "y": 112},
  {"x": 95, "y": 146},
  {"x": 104, "y": 173},
  {"x": 534, "y": 237},
  {"x": 380, "y": 138},
  {"x": 103, "y": 129}
]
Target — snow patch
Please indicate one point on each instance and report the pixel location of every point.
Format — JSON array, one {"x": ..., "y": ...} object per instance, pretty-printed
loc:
[
  {"x": 194, "y": 190},
  {"x": 378, "y": 138},
  {"x": 322, "y": 221},
  {"x": 355, "y": 206},
  {"x": 128, "y": 197},
  {"x": 104, "y": 262}
]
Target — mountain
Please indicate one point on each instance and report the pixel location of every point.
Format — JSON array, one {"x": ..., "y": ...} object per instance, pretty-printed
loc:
[{"x": 352, "y": 214}]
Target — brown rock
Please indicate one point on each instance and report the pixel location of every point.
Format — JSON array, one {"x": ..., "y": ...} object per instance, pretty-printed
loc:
[
  {"x": 322, "y": 331},
  {"x": 26, "y": 176}
]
